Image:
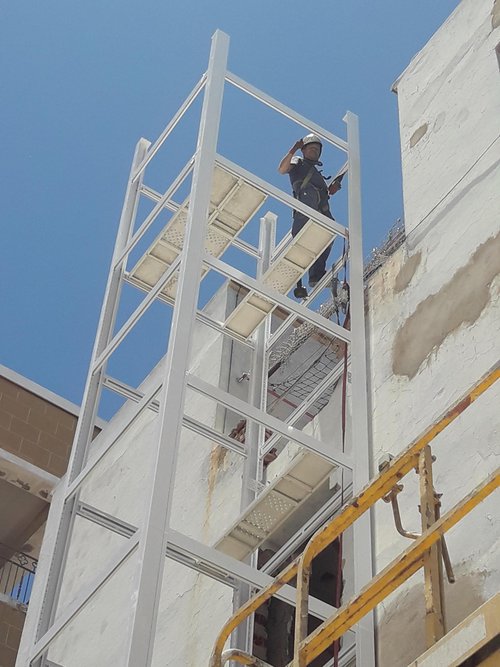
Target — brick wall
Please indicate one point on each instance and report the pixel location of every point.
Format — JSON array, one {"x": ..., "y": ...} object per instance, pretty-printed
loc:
[
  {"x": 35, "y": 429},
  {"x": 11, "y": 624},
  {"x": 40, "y": 432}
]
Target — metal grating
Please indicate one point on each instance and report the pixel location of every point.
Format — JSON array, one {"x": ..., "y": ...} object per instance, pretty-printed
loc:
[
  {"x": 289, "y": 266},
  {"x": 233, "y": 204},
  {"x": 268, "y": 512},
  {"x": 306, "y": 472}
]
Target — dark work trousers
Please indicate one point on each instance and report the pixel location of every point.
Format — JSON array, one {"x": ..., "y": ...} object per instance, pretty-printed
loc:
[{"x": 318, "y": 269}]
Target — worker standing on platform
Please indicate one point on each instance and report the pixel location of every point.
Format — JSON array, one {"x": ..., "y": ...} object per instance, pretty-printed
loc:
[{"x": 309, "y": 187}]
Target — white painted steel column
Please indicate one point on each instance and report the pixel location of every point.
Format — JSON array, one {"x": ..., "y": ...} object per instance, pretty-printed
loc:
[
  {"x": 104, "y": 333},
  {"x": 91, "y": 396},
  {"x": 363, "y": 564},
  {"x": 28, "y": 637},
  {"x": 254, "y": 438},
  {"x": 152, "y": 548},
  {"x": 255, "y": 432}
]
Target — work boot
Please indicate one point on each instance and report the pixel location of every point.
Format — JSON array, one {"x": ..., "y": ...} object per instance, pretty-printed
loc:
[
  {"x": 300, "y": 292},
  {"x": 314, "y": 280}
]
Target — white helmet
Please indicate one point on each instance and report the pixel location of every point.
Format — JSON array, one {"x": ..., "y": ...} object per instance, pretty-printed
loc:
[{"x": 312, "y": 139}]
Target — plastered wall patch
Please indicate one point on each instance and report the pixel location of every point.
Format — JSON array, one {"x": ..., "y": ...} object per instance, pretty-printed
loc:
[{"x": 460, "y": 301}]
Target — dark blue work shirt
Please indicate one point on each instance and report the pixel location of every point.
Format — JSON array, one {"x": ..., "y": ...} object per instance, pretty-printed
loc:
[{"x": 315, "y": 192}]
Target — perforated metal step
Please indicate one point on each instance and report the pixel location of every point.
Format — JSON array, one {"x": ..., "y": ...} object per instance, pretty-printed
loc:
[
  {"x": 276, "y": 503},
  {"x": 281, "y": 276},
  {"x": 233, "y": 203}
]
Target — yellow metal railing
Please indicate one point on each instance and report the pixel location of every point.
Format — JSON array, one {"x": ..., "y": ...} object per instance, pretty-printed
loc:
[
  {"x": 243, "y": 658},
  {"x": 425, "y": 551}
]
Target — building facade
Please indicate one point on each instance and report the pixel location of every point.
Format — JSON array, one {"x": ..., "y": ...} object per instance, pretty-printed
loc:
[
  {"x": 433, "y": 327},
  {"x": 434, "y": 312}
]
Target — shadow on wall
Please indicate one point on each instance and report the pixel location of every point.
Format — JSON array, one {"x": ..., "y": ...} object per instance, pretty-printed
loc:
[{"x": 401, "y": 630}]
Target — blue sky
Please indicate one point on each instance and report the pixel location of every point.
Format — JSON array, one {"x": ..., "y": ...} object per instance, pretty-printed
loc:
[{"x": 82, "y": 81}]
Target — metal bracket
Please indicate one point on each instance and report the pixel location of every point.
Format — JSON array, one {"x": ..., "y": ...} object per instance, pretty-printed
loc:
[
  {"x": 340, "y": 294},
  {"x": 256, "y": 486},
  {"x": 444, "y": 547},
  {"x": 392, "y": 497}
]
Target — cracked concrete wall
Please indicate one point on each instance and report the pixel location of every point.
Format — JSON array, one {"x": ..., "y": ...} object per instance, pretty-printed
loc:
[
  {"x": 434, "y": 314},
  {"x": 458, "y": 304},
  {"x": 449, "y": 104}
]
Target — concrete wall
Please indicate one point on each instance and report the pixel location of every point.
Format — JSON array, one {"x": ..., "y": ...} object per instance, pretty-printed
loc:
[
  {"x": 206, "y": 502},
  {"x": 434, "y": 311},
  {"x": 448, "y": 105}
]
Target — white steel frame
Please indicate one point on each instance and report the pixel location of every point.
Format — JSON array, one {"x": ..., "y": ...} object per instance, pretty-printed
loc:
[
  {"x": 155, "y": 539},
  {"x": 255, "y": 431}
]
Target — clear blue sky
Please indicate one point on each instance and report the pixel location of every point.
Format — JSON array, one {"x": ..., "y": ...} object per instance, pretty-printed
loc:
[{"x": 82, "y": 81}]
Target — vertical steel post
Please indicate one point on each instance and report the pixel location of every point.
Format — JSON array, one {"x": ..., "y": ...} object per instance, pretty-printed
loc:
[
  {"x": 92, "y": 392},
  {"x": 433, "y": 565},
  {"x": 255, "y": 432},
  {"x": 254, "y": 438},
  {"x": 362, "y": 533},
  {"x": 28, "y": 637},
  {"x": 152, "y": 547},
  {"x": 93, "y": 387}
]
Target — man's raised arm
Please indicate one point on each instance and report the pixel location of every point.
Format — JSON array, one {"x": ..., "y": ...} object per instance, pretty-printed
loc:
[{"x": 286, "y": 163}]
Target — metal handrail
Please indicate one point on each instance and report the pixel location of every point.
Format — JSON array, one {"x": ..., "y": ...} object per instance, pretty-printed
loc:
[
  {"x": 307, "y": 648},
  {"x": 17, "y": 571},
  {"x": 387, "y": 581},
  {"x": 243, "y": 658}
]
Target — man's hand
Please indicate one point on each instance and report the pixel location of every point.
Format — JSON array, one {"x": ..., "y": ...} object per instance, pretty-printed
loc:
[
  {"x": 285, "y": 166},
  {"x": 334, "y": 186},
  {"x": 297, "y": 146}
]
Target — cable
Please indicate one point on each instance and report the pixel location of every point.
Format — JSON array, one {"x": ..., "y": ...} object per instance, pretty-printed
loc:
[{"x": 457, "y": 183}]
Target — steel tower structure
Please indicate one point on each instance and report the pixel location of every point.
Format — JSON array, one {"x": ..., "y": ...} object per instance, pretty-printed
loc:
[{"x": 202, "y": 237}]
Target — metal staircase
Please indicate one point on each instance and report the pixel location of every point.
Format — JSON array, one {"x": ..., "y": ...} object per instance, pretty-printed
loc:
[{"x": 224, "y": 199}]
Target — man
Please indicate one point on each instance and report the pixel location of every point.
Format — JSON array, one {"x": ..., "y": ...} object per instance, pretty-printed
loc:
[{"x": 309, "y": 187}]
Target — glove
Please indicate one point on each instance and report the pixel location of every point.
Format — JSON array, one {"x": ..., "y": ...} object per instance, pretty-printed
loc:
[{"x": 297, "y": 145}]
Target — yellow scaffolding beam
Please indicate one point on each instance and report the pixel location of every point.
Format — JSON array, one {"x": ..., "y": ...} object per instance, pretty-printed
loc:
[
  {"x": 307, "y": 648},
  {"x": 391, "y": 577}
]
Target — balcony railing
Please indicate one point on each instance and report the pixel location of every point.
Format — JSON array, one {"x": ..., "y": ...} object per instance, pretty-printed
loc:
[{"x": 17, "y": 572}]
